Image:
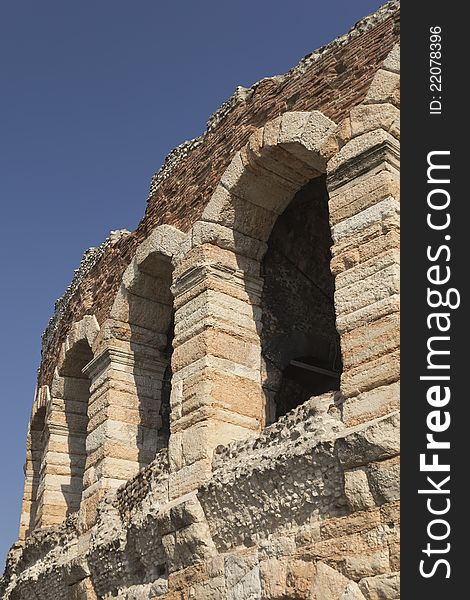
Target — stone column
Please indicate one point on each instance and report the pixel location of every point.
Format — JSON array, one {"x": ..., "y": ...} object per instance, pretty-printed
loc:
[
  {"x": 363, "y": 184},
  {"x": 216, "y": 386},
  {"x": 123, "y": 416},
  {"x": 31, "y": 484}
]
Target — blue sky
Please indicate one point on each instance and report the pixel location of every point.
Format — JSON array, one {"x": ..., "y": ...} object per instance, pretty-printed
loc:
[{"x": 93, "y": 96}]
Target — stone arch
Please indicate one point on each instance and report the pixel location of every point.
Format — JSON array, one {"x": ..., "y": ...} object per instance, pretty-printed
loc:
[
  {"x": 35, "y": 446},
  {"x": 132, "y": 357},
  {"x": 218, "y": 286},
  {"x": 64, "y": 459},
  {"x": 282, "y": 166},
  {"x": 145, "y": 303},
  {"x": 262, "y": 177}
]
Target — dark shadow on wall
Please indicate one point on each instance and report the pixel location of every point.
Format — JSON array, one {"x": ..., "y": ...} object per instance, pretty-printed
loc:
[
  {"x": 164, "y": 411},
  {"x": 299, "y": 340}
]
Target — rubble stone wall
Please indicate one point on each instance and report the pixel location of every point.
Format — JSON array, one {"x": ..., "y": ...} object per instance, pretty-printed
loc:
[{"x": 307, "y": 509}]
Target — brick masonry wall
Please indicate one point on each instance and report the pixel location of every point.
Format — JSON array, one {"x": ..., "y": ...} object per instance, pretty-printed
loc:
[{"x": 331, "y": 80}]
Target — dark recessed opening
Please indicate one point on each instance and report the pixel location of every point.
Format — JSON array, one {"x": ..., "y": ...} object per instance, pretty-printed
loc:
[{"x": 301, "y": 347}]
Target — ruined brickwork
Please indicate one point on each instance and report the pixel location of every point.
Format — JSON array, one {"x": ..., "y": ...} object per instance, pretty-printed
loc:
[{"x": 217, "y": 405}]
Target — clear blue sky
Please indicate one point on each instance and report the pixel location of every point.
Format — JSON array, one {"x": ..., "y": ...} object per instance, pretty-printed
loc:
[{"x": 93, "y": 95}]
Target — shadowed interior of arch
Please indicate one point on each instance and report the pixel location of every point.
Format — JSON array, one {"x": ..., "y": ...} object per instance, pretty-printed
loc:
[
  {"x": 300, "y": 344},
  {"x": 76, "y": 393},
  {"x": 36, "y": 452}
]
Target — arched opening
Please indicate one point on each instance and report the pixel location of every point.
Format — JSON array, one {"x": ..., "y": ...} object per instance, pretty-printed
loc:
[
  {"x": 225, "y": 389},
  {"x": 300, "y": 343},
  {"x": 151, "y": 321},
  {"x": 72, "y": 394},
  {"x": 130, "y": 380},
  {"x": 35, "y": 452}
]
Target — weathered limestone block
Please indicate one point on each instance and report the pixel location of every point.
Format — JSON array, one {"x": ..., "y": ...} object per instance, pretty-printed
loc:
[
  {"x": 189, "y": 477},
  {"x": 352, "y": 256},
  {"x": 212, "y": 307},
  {"x": 392, "y": 62},
  {"x": 371, "y": 341},
  {"x": 377, "y": 372},
  {"x": 368, "y": 563},
  {"x": 184, "y": 533},
  {"x": 367, "y": 117},
  {"x": 286, "y": 577},
  {"x": 84, "y": 330},
  {"x": 299, "y": 578},
  {"x": 361, "y": 193},
  {"x": 377, "y": 310},
  {"x": 350, "y": 524},
  {"x": 367, "y": 269},
  {"x": 385, "y": 210},
  {"x": 363, "y": 154},
  {"x": 385, "y": 87},
  {"x": 265, "y": 154},
  {"x": 329, "y": 583},
  {"x": 379, "y": 285},
  {"x": 384, "y": 480},
  {"x": 273, "y": 578},
  {"x": 304, "y": 134},
  {"x": 381, "y": 587},
  {"x": 376, "y": 237},
  {"x": 357, "y": 491},
  {"x": 239, "y": 215},
  {"x": 352, "y": 592},
  {"x": 372, "y": 404},
  {"x": 260, "y": 190},
  {"x": 163, "y": 241},
  {"x": 377, "y": 440},
  {"x": 357, "y": 555},
  {"x": 242, "y": 577},
  {"x": 224, "y": 237},
  {"x": 213, "y": 589},
  {"x": 219, "y": 343}
]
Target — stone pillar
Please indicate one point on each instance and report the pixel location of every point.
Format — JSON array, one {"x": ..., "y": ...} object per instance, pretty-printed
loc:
[
  {"x": 63, "y": 462},
  {"x": 26, "y": 506},
  {"x": 123, "y": 416},
  {"x": 216, "y": 387},
  {"x": 31, "y": 484},
  {"x": 363, "y": 184}
]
